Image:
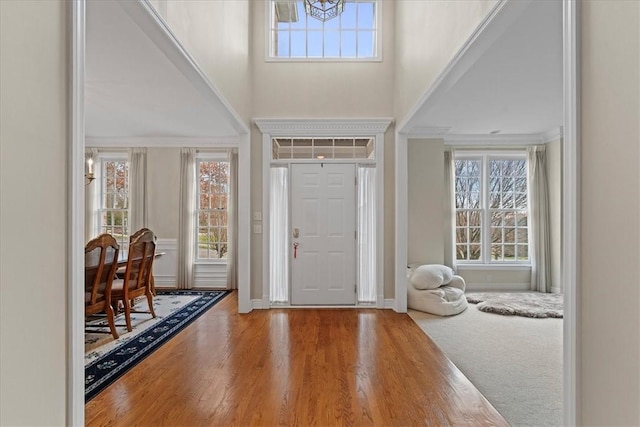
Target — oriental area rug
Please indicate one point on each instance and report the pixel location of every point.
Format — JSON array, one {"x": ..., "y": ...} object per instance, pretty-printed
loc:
[
  {"x": 107, "y": 359},
  {"x": 526, "y": 304}
]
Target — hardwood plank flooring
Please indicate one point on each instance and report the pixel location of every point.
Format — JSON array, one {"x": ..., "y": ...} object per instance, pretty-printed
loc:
[{"x": 296, "y": 367}]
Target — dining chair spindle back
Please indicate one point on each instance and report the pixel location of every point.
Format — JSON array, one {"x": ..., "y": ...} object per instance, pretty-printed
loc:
[
  {"x": 137, "y": 275},
  {"x": 101, "y": 256}
]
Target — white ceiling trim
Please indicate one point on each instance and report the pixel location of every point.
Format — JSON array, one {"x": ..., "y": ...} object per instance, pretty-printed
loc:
[
  {"x": 154, "y": 26},
  {"x": 482, "y": 140},
  {"x": 429, "y": 132},
  {"x": 322, "y": 127},
  {"x": 162, "y": 142},
  {"x": 552, "y": 135}
]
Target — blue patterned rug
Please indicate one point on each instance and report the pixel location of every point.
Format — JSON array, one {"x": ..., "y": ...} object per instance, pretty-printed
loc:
[{"x": 111, "y": 365}]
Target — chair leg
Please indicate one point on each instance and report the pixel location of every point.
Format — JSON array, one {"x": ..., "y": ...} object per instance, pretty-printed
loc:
[
  {"x": 150, "y": 302},
  {"x": 127, "y": 314},
  {"x": 112, "y": 322}
]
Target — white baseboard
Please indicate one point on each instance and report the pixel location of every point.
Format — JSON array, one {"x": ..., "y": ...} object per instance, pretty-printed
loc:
[
  {"x": 259, "y": 304},
  {"x": 556, "y": 290},
  {"x": 506, "y": 287}
]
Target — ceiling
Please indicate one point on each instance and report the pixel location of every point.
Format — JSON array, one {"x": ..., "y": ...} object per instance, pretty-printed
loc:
[
  {"x": 140, "y": 83},
  {"x": 508, "y": 80}
]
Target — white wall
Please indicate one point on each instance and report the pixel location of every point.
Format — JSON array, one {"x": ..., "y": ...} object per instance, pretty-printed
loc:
[
  {"x": 554, "y": 177},
  {"x": 321, "y": 90},
  {"x": 163, "y": 188},
  {"x": 216, "y": 34},
  {"x": 487, "y": 279},
  {"x": 610, "y": 232},
  {"x": 431, "y": 32},
  {"x": 426, "y": 201},
  {"x": 426, "y": 216},
  {"x": 33, "y": 212}
]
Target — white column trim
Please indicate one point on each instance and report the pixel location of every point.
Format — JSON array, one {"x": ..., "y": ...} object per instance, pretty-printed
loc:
[
  {"x": 571, "y": 211},
  {"x": 266, "y": 218},
  {"x": 380, "y": 303},
  {"x": 244, "y": 224},
  {"x": 75, "y": 242},
  {"x": 402, "y": 207}
]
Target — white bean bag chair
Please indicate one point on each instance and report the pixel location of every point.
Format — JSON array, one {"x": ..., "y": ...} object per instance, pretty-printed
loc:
[{"x": 435, "y": 289}]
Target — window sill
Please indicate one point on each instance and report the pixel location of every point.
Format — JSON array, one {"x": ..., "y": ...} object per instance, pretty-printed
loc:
[
  {"x": 272, "y": 59},
  {"x": 210, "y": 262},
  {"x": 505, "y": 267}
]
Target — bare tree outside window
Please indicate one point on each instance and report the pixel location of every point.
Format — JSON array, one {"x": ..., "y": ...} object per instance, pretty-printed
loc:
[
  {"x": 114, "y": 214},
  {"x": 497, "y": 209},
  {"x": 213, "y": 198}
]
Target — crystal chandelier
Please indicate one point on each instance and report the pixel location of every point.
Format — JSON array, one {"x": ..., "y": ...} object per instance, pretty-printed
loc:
[{"x": 324, "y": 9}]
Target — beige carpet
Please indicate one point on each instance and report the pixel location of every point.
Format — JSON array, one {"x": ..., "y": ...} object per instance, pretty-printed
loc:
[{"x": 516, "y": 362}]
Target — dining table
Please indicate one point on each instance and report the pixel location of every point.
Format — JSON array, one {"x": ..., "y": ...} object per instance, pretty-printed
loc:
[{"x": 92, "y": 260}]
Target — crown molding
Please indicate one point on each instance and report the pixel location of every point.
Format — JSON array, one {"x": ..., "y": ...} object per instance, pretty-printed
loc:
[
  {"x": 428, "y": 132},
  {"x": 484, "y": 140},
  {"x": 552, "y": 135},
  {"x": 322, "y": 127},
  {"x": 161, "y": 142}
]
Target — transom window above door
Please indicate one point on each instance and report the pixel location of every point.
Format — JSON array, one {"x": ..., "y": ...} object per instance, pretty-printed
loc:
[
  {"x": 323, "y": 148},
  {"x": 295, "y": 35}
]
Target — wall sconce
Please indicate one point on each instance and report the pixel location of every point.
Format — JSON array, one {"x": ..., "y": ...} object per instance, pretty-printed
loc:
[{"x": 89, "y": 175}]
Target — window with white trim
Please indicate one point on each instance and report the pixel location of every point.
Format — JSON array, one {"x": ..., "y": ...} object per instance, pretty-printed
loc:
[
  {"x": 352, "y": 35},
  {"x": 212, "y": 208},
  {"x": 491, "y": 201},
  {"x": 114, "y": 198}
]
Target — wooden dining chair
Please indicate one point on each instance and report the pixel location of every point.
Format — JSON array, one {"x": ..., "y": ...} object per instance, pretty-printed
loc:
[
  {"x": 120, "y": 271},
  {"x": 101, "y": 257},
  {"x": 137, "y": 275}
]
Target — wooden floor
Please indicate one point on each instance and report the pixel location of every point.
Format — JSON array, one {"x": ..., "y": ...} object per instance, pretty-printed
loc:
[{"x": 297, "y": 367}]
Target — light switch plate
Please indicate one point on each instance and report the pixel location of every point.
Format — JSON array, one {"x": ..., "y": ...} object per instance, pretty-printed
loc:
[
  {"x": 257, "y": 229},
  {"x": 257, "y": 216}
]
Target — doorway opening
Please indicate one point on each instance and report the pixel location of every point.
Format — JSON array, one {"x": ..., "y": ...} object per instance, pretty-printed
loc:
[{"x": 322, "y": 201}]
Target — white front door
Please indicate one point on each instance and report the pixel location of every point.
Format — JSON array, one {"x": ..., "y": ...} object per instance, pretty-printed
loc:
[{"x": 323, "y": 217}]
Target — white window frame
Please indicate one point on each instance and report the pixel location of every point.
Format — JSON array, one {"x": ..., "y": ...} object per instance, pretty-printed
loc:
[
  {"x": 377, "y": 48},
  {"x": 485, "y": 243},
  {"x": 206, "y": 157},
  {"x": 123, "y": 241}
]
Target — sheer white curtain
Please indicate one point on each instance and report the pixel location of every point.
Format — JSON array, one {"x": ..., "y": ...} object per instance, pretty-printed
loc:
[
  {"x": 539, "y": 233},
  {"x": 279, "y": 236},
  {"x": 449, "y": 209},
  {"x": 137, "y": 189},
  {"x": 232, "y": 222},
  {"x": 186, "y": 218},
  {"x": 91, "y": 194},
  {"x": 367, "y": 277}
]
